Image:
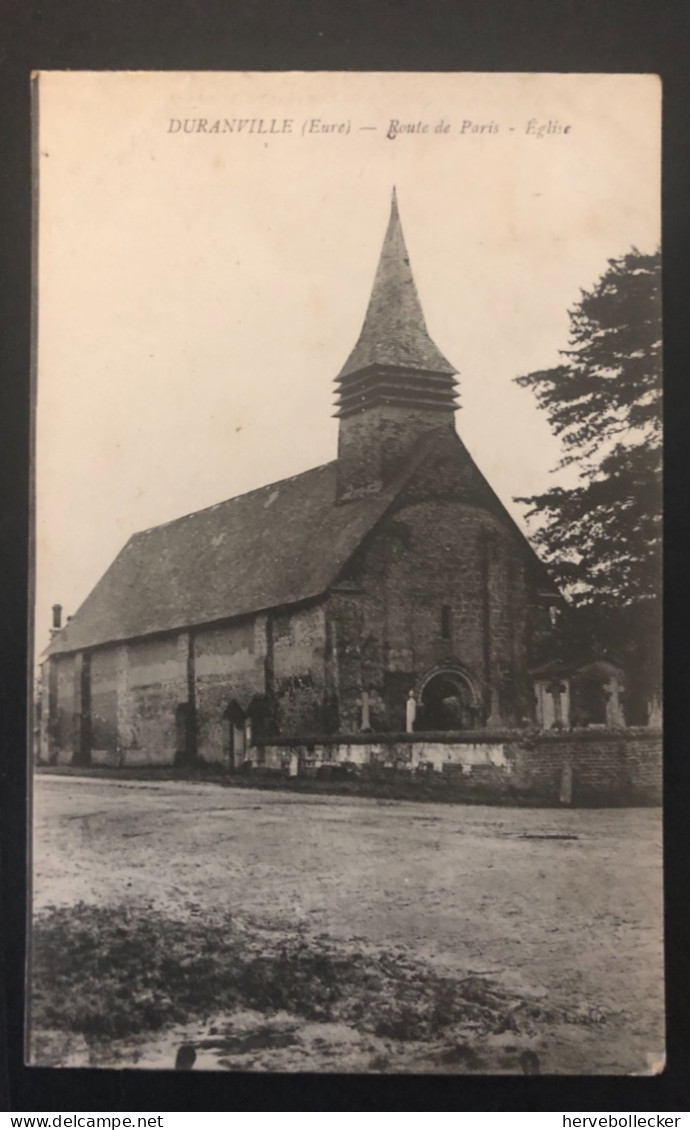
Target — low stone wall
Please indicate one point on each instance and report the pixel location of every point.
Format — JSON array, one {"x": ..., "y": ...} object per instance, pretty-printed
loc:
[
  {"x": 587, "y": 767},
  {"x": 576, "y": 767}
]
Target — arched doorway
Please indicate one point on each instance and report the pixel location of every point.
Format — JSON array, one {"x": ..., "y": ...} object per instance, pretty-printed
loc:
[
  {"x": 234, "y": 743},
  {"x": 448, "y": 701}
]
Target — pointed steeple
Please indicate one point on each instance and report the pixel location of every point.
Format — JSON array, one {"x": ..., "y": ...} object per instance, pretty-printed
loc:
[
  {"x": 394, "y": 330},
  {"x": 396, "y": 385}
]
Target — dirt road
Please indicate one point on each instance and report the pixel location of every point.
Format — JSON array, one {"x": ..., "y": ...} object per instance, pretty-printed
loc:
[{"x": 563, "y": 904}]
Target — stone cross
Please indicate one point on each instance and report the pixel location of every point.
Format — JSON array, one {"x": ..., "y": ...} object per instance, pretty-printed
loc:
[{"x": 614, "y": 709}]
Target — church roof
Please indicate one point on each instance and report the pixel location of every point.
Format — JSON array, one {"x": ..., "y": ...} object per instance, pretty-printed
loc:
[
  {"x": 394, "y": 331},
  {"x": 274, "y": 546},
  {"x": 279, "y": 545}
]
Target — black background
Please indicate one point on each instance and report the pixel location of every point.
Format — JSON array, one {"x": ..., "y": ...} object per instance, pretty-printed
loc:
[{"x": 477, "y": 35}]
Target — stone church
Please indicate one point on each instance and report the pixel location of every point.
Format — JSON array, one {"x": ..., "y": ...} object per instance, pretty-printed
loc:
[{"x": 388, "y": 590}]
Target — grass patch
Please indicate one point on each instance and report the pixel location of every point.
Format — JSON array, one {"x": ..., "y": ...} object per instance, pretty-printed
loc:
[{"x": 115, "y": 972}]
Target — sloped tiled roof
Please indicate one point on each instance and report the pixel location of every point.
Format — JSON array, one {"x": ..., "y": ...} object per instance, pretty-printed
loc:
[
  {"x": 394, "y": 331},
  {"x": 279, "y": 545},
  {"x": 274, "y": 546}
]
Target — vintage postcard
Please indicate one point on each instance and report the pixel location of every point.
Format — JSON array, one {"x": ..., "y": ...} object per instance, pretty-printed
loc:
[{"x": 347, "y": 723}]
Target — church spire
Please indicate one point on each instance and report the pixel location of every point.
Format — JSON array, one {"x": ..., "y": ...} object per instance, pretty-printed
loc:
[
  {"x": 394, "y": 332},
  {"x": 396, "y": 384}
]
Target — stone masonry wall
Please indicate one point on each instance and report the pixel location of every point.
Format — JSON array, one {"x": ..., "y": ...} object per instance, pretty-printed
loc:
[
  {"x": 137, "y": 688},
  {"x": 154, "y": 683},
  {"x": 588, "y": 768},
  {"x": 104, "y": 704},
  {"x": 599, "y": 765},
  {"x": 230, "y": 666},
  {"x": 372, "y": 441},
  {"x": 298, "y": 675},
  {"x": 386, "y": 613},
  {"x": 63, "y": 722}
]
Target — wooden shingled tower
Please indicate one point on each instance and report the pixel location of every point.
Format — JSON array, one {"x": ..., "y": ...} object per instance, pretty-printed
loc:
[{"x": 396, "y": 384}]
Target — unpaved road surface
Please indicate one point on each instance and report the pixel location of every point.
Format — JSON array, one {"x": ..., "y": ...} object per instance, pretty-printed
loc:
[{"x": 563, "y": 904}]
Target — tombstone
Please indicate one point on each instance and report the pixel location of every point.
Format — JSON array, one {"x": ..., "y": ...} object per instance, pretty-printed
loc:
[
  {"x": 654, "y": 718},
  {"x": 494, "y": 720},
  {"x": 410, "y": 712},
  {"x": 365, "y": 725},
  {"x": 556, "y": 689}
]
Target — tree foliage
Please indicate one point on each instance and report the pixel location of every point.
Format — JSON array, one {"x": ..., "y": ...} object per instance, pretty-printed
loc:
[{"x": 601, "y": 536}]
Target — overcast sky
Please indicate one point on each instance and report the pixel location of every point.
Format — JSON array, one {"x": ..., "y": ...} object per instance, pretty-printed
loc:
[{"x": 199, "y": 292}]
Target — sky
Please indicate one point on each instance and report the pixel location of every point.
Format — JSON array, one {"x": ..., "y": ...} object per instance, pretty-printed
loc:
[{"x": 200, "y": 286}]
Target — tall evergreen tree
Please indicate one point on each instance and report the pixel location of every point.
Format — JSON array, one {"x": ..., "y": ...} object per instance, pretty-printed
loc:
[{"x": 602, "y": 537}]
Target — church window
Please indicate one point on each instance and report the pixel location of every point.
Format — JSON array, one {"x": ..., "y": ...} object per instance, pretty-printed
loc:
[{"x": 446, "y": 622}]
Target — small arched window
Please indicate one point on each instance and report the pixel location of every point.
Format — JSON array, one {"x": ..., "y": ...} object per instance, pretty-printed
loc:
[{"x": 446, "y": 622}]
